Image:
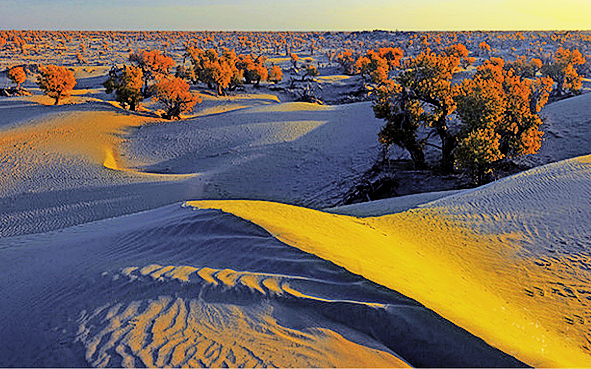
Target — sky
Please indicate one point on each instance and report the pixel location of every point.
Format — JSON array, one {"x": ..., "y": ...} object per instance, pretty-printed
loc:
[{"x": 296, "y": 15}]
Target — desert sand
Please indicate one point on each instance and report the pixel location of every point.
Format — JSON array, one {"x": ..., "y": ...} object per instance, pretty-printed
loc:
[{"x": 131, "y": 240}]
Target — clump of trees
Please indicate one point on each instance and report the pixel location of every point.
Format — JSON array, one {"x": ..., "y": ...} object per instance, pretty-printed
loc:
[
  {"x": 563, "y": 70},
  {"x": 174, "y": 95},
  {"x": 17, "y": 75},
  {"x": 499, "y": 115},
  {"x": 56, "y": 81},
  {"x": 524, "y": 68},
  {"x": 376, "y": 65},
  {"x": 126, "y": 83},
  {"x": 227, "y": 71},
  {"x": 275, "y": 74},
  {"x": 347, "y": 59},
  {"x": 154, "y": 65},
  {"x": 217, "y": 71},
  {"x": 253, "y": 69},
  {"x": 481, "y": 122}
]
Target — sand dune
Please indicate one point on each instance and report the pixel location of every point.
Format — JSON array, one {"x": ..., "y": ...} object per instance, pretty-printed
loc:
[
  {"x": 118, "y": 273},
  {"x": 138, "y": 289},
  {"x": 65, "y": 168},
  {"x": 93, "y": 161},
  {"x": 503, "y": 261},
  {"x": 300, "y": 153}
]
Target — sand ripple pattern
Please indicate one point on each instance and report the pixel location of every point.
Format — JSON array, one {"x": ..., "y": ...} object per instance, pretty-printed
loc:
[{"x": 190, "y": 332}]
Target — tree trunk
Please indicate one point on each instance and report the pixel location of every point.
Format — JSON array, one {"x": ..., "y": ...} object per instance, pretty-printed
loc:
[
  {"x": 448, "y": 144},
  {"x": 57, "y": 100},
  {"x": 416, "y": 154}
]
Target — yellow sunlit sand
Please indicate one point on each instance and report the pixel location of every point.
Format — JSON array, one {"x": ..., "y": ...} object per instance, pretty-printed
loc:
[
  {"x": 259, "y": 199},
  {"x": 474, "y": 280}
]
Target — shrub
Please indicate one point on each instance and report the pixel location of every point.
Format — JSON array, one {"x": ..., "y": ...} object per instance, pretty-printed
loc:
[
  {"x": 173, "y": 93},
  {"x": 17, "y": 75},
  {"x": 56, "y": 81},
  {"x": 127, "y": 84}
]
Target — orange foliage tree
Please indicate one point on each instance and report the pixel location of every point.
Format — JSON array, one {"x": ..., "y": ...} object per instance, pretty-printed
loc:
[
  {"x": 154, "y": 65},
  {"x": 497, "y": 111},
  {"x": 499, "y": 114},
  {"x": 216, "y": 71},
  {"x": 484, "y": 48},
  {"x": 127, "y": 84},
  {"x": 311, "y": 71},
  {"x": 377, "y": 64},
  {"x": 56, "y": 81},
  {"x": 275, "y": 74},
  {"x": 252, "y": 69},
  {"x": 294, "y": 59},
  {"x": 173, "y": 93},
  {"x": 523, "y": 68},
  {"x": 563, "y": 71},
  {"x": 348, "y": 59},
  {"x": 17, "y": 75},
  {"x": 421, "y": 96}
]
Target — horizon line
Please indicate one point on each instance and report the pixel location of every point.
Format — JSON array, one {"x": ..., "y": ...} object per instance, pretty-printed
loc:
[{"x": 297, "y": 31}]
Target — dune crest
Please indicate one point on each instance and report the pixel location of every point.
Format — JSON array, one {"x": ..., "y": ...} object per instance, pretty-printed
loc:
[
  {"x": 264, "y": 283},
  {"x": 494, "y": 283}
]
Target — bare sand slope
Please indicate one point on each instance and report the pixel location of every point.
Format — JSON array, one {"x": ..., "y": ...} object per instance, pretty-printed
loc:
[
  {"x": 566, "y": 127},
  {"x": 63, "y": 166},
  {"x": 71, "y": 164},
  {"x": 177, "y": 286},
  {"x": 300, "y": 153},
  {"x": 508, "y": 261}
]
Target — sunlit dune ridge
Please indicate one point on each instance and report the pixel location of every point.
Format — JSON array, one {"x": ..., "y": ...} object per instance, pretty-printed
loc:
[{"x": 495, "y": 281}]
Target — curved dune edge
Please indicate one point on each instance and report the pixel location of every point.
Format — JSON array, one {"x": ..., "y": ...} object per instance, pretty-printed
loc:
[
  {"x": 93, "y": 135},
  {"x": 475, "y": 281},
  {"x": 112, "y": 162}
]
